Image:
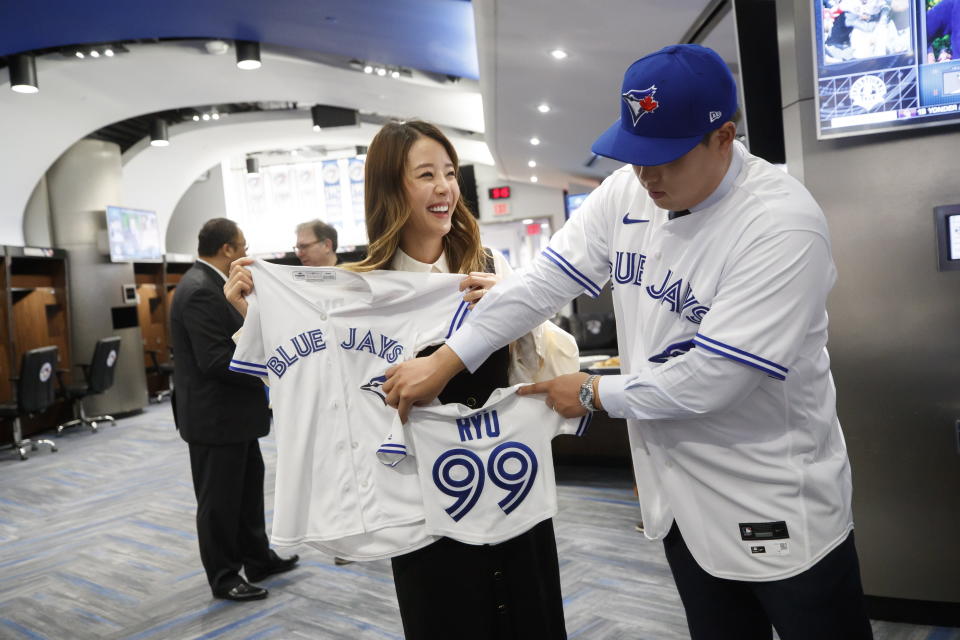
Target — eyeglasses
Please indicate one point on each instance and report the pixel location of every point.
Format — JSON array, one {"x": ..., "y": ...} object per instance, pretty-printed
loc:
[{"x": 305, "y": 245}]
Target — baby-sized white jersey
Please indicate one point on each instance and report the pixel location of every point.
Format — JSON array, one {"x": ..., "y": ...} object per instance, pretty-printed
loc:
[
  {"x": 725, "y": 385},
  {"x": 324, "y": 337},
  {"x": 486, "y": 474}
]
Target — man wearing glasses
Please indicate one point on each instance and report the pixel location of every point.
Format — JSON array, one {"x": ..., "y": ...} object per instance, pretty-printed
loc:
[{"x": 316, "y": 244}]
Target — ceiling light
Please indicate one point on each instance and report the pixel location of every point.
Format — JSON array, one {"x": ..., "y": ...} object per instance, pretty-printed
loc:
[
  {"x": 108, "y": 53},
  {"x": 532, "y": 164},
  {"x": 215, "y": 116},
  {"x": 381, "y": 71},
  {"x": 23, "y": 74},
  {"x": 196, "y": 118},
  {"x": 80, "y": 55},
  {"x": 316, "y": 128},
  {"x": 216, "y": 47},
  {"x": 533, "y": 178},
  {"x": 206, "y": 117},
  {"x": 158, "y": 133},
  {"x": 527, "y": 221},
  {"x": 543, "y": 107},
  {"x": 558, "y": 54},
  {"x": 253, "y": 166},
  {"x": 248, "y": 54},
  {"x": 367, "y": 69},
  {"x": 395, "y": 74},
  {"x": 94, "y": 54},
  {"x": 534, "y": 141}
]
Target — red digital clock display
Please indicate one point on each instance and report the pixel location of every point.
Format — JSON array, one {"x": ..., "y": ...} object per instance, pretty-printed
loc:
[{"x": 499, "y": 193}]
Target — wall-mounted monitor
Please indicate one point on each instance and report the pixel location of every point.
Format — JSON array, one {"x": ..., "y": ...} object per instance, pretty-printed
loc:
[
  {"x": 946, "y": 220},
  {"x": 133, "y": 235},
  {"x": 572, "y": 202},
  {"x": 882, "y": 65}
]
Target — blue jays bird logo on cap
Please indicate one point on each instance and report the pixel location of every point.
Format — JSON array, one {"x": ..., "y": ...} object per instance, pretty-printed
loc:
[
  {"x": 375, "y": 386},
  {"x": 641, "y": 102}
]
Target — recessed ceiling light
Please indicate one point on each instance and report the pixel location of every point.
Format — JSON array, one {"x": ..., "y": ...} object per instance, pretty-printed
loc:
[
  {"x": 394, "y": 74},
  {"x": 316, "y": 127},
  {"x": 543, "y": 107},
  {"x": 94, "y": 54},
  {"x": 196, "y": 118},
  {"x": 215, "y": 116},
  {"x": 533, "y": 178},
  {"x": 206, "y": 116},
  {"x": 532, "y": 164},
  {"x": 108, "y": 53},
  {"x": 534, "y": 141},
  {"x": 381, "y": 71},
  {"x": 80, "y": 55},
  {"x": 528, "y": 221},
  {"x": 558, "y": 54},
  {"x": 368, "y": 69}
]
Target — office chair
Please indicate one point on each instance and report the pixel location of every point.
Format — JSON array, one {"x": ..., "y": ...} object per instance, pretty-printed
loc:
[
  {"x": 99, "y": 377},
  {"x": 35, "y": 393},
  {"x": 160, "y": 369}
]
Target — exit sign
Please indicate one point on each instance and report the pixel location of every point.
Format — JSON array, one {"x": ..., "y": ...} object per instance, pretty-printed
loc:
[{"x": 499, "y": 193}]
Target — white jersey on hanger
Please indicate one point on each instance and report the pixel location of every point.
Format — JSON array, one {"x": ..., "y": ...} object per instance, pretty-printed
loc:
[
  {"x": 324, "y": 337},
  {"x": 486, "y": 474}
]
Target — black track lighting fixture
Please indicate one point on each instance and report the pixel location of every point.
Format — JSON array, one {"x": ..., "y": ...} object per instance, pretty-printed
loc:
[
  {"x": 253, "y": 166},
  {"x": 248, "y": 54},
  {"x": 23, "y": 73},
  {"x": 158, "y": 133}
]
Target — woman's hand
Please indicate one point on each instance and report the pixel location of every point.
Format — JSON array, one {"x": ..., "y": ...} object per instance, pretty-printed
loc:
[
  {"x": 476, "y": 284},
  {"x": 239, "y": 284}
]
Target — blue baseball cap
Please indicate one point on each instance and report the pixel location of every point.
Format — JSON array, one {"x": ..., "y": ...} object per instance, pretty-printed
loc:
[{"x": 669, "y": 100}]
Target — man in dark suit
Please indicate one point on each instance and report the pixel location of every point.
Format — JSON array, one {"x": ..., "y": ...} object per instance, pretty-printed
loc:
[{"x": 220, "y": 415}]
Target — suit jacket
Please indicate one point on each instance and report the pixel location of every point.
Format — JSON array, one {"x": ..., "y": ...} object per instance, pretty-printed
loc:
[{"x": 214, "y": 405}]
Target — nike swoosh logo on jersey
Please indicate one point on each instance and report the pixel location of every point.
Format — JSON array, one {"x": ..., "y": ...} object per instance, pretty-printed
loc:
[{"x": 628, "y": 220}]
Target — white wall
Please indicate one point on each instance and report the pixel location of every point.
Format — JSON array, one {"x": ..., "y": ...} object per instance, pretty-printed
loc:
[{"x": 202, "y": 201}]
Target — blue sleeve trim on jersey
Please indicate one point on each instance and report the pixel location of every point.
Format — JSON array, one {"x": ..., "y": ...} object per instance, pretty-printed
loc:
[
  {"x": 772, "y": 369},
  {"x": 458, "y": 317},
  {"x": 584, "y": 423},
  {"x": 589, "y": 286},
  {"x": 250, "y": 364},
  {"x": 252, "y": 372}
]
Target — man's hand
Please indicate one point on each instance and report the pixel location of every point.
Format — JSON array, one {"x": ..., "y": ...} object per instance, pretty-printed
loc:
[
  {"x": 420, "y": 380},
  {"x": 476, "y": 284},
  {"x": 563, "y": 394},
  {"x": 239, "y": 284}
]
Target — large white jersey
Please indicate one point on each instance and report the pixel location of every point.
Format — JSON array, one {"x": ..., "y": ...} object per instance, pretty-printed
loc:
[
  {"x": 486, "y": 474},
  {"x": 725, "y": 383},
  {"x": 324, "y": 337}
]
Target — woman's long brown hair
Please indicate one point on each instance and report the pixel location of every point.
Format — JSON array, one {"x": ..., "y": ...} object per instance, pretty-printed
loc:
[{"x": 385, "y": 202}]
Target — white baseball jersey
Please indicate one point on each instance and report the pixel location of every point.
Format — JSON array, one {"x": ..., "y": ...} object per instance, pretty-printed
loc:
[
  {"x": 324, "y": 338},
  {"x": 726, "y": 383},
  {"x": 486, "y": 474}
]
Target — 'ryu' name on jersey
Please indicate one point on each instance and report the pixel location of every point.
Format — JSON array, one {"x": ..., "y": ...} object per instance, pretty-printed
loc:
[
  {"x": 628, "y": 269},
  {"x": 486, "y": 424},
  {"x": 310, "y": 342}
]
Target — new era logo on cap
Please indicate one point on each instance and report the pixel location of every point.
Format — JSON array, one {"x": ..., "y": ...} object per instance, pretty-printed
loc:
[{"x": 715, "y": 115}]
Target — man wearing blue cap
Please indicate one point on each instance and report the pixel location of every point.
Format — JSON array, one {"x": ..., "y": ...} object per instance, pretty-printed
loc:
[{"x": 721, "y": 266}]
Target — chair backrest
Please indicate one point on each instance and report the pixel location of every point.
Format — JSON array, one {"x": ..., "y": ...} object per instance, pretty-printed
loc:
[
  {"x": 597, "y": 330},
  {"x": 35, "y": 388},
  {"x": 104, "y": 363}
]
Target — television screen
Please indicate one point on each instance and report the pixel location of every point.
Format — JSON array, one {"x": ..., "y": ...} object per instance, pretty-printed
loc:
[
  {"x": 133, "y": 234},
  {"x": 573, "y": 201},
  {"x": 886, "y": 64}
]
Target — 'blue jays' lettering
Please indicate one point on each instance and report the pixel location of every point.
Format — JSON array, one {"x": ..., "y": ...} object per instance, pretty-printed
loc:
[
  {"x": 628, "y": 269},
  {"x": 480, "y": 425},
  {"x": 388, "y": 349},
  {"x": 301, "y": 345}
]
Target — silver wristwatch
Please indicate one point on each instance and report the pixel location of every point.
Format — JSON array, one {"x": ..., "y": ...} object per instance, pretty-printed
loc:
[{"x": 586, "y": 393}]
